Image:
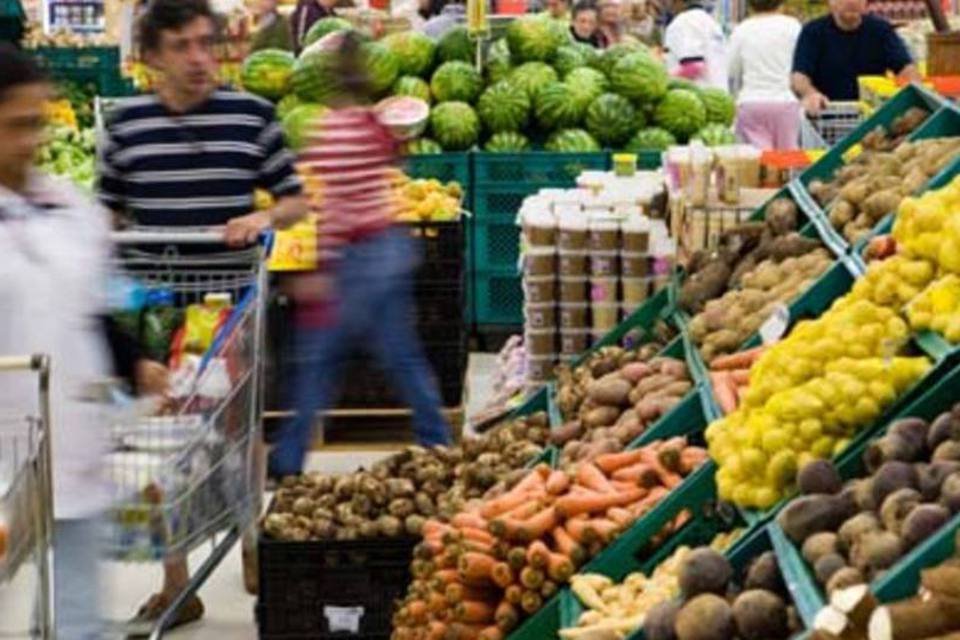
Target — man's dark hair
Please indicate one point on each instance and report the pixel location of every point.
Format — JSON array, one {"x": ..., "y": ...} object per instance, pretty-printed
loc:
[
  {"x": 17, "y": 69},
  {"x": 350, "y": 72},
  {"x": 582, "y": 6},
  {"x": 171, "y": 15},
  {"x": 762, "y": 6}
]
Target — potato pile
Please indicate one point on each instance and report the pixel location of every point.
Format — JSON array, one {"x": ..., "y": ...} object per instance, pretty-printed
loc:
[
  {"x": 875, "y": 183},
  {"x": 397, "y": 494},
  {"x": 614, "y": 611},
  {"x": 619, "y": 405},
  {"x": 727, "y": 322},
  {"x": 934, "y": 613},
  {"x": 740, "y": 251},
  {"x": 711, "y": 607},
  {"x": 852, "y": 534}
]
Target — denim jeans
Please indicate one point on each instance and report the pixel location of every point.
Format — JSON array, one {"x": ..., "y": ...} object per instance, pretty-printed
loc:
[
  {"x": 376, "y": 310},
  {"x": 76, "y": 584}
]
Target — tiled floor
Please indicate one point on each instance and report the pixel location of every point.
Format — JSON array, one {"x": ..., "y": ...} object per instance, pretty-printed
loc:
[{"x": 229, "y": 608}]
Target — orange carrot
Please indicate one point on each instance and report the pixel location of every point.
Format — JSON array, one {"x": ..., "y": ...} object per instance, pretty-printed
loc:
[
  {"x": 491, "y": 633},
  {"x": 589, "y": 476},
  {"x": 741, "y": 360},
  {"x": 559, "y": 567},
  {"x": 723, "y": 391},
  {"x": 623, "y": 485},
  {"x": 502, "y": 575},
  {"x": 666, "y": 477},
  {"x": 513, "y": 594},
  {"x": 474, "y": 612},
  {"x": 445, "y": 577},
  {"x": 640, "y": 474},
  {"x": 669, "y": 454},
  {"x": 464, "y": 631},
  {"x": 531, "y": 602},
  {"x": 517, "y": 558},
  {"x": 458, "y": 592},
  {"x": 601, "y": 529},
  {"x": 468, "y": 519},
  {"x": 472, "y": 545},
  {"x": 656, "y": 495},
  {"x": 508, "y": 529},
  {"x": 437, "y": 602},
  {"x": 621, "y": 516},
  {"x": 536, "y": 526},
  {"x": 531, "y": 578},
  {"x": 428, "y": 549},
  {"x": 417, "y": 610},
  {"x": 548, "y": 589},
  {"x": 691, "y": 458},
  {"x": 506, "y": 616},
  {"x": 576, "y": 527},
  {"x": 558, "y": 482},
  {"x": 538, "y": 554},
  {"x": 436, "y": 630},
  {"x": 569, "y": 506},
  {"x": 568, "y": 546},
  {"x": 524, "y": 511},
  {"x": 478, "y": 535},
  {"x": 434, "y": 527},
  {"x": 510, "y": 500},
  {"x": 476, "y": 566},
  {"x": 610, "y": 462}
]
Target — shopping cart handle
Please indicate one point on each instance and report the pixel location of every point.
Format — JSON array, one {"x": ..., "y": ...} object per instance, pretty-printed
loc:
[
  {"x": 179, "y": 236},
  {"x": 23, "y": 363}
]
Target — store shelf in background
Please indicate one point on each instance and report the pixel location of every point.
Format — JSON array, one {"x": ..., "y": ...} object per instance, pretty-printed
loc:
[
  {"x": 330, "y": 589},
  {"x": 97, "y": 65},
  {"x": 498, "y": 297},
  {"x": 901, "y": 579},
  {"x": 535, "y": 168}
]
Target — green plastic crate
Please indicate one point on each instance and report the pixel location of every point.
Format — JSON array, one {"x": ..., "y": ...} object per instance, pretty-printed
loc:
[
  {"x": 496, "y": 244},
  {"x": 12, "y": 18},
  {"x": 97, "y": 65},
  {"x": 498, "y": 297},
  {"x": 535, "y": 168},
  {"x": 806, "y": 592},
  {"x": 649, "y": 160},
  {"x": 501, "y": 201},
  {"x": 910, "y": 96},
  {"x": 642, "y": 321},
  {"x": 445, "y": 167}
]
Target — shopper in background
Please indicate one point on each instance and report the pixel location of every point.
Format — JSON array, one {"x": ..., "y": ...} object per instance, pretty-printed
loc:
[
  {"x": 583, "y": 27},
  {"x": 761, "y": 56},
  {"x": 272, "y": 29},
  {"x": 557, "y": 9},
  {"x": 453, "y": 13},
  {"x": 610, "y": 17},
  {"x": 55, "y": 248},
  {"x": 306, "y": 14},
  {"x": 833, "y": 51},
  {"x": 190, "y": 155},
  {"x": 695, "y": 46},
  {"x": 362, "y": 290}
]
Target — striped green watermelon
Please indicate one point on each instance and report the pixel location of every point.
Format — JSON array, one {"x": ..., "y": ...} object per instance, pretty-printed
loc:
[
  {"x": 682, "y": 113},
  {"x": 296, "y": 122},
  {"x": 651, "y": 139},
  {"x": 587, "y": 84},
  {"x": 287, "y": 104},
  {"x": 456, "y": 81},
  {"x": 412, "y": 86},
  {"x": 612, "y": 119},
  {"x": 507, "y": 142},
  {"x": 715, "y": 135},
  {"x": 556, "y": 107},
  {"x": 313, "y": 77},
  {"x": 455, "y": 44},
  {"x": 382, "y": 66},
  {"x": 681, "y": 83},
  {"x": 504, "y": 107},
  {"x": 531, "y": 76},
  {"x": 498, "y": 64},
  {"x": 325, "y": 26},
  {"x": 454, "y": 125},
  {"x": 720, "y": 106},
  {"x": 532, "y": 38},
  {"x": 573, "y": 55},
  {"x": 423, "y": 146},
  {"x": 639, "y": 77},
  {"x": 611, "y": 56},
  {"x": 571, "y": 141},
  {"x": 268, "y": 73},
  {"x": 414, "y": 50}
]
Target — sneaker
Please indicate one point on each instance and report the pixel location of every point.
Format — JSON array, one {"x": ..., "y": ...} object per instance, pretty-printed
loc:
[{"x": 141, "y": 625}]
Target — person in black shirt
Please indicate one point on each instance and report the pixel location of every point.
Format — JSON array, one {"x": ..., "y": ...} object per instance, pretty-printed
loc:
[
  {"x": 583, "y": 24},
  {"x": 833, "y": 51}
]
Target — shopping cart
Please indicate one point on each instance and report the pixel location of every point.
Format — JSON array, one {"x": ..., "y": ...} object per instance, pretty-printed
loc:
[
  {"x": 837, "y": 120},
  {"x": 193, "y": 476},
  {"x": 26, "y": 496}
]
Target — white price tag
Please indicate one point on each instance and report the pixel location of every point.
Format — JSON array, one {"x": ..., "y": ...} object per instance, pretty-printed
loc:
[
  {"x": 776, "y": 325},
  {"x": 343, "y": 618}
]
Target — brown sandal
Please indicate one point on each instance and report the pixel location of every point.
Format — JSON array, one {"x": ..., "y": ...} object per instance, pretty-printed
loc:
[{"x": 141, "y": 625}]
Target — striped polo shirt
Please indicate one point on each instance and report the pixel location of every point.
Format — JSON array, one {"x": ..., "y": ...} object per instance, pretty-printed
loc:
[{"x": 195, "y": 168}]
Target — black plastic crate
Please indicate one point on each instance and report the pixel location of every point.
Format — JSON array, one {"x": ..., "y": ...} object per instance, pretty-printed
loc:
[
  {"x": 331, "y": 589},
  {"x": 440, "y": 308},
  {"x": 443, "y": 248}
]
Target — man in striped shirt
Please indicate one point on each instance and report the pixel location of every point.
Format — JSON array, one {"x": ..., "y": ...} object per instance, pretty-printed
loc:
[{"x": 192, "y": 153}]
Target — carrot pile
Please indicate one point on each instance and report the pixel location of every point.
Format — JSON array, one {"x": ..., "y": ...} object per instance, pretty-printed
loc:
[
  {"x": 499, "y": 560},
  {"x": 730, "y": 377}
]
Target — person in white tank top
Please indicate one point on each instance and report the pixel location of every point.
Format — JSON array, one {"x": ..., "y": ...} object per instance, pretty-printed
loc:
[{"x": 696, "y": 47}]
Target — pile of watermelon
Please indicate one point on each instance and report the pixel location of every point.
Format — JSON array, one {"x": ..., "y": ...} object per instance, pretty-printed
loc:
[{"x": 537, "y": 89}]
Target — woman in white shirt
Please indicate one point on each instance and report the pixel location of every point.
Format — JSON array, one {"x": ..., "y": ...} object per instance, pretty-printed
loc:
[
  {"x": 695, "y": 46},
  {"x": 761, "y": 57}
]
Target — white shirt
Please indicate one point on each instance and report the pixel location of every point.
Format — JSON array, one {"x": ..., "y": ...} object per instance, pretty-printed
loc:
[
  {"x": 695, "y": 34},
  {"x": 52, "y": 286},
  {"x": 761, "y": 58}
]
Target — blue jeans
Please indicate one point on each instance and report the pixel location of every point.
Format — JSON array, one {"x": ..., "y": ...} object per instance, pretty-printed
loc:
[{"x": 376, "y": 309}]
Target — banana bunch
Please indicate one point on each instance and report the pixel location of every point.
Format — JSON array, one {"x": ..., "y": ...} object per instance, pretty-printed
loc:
[{"x": 60, "y": 113}]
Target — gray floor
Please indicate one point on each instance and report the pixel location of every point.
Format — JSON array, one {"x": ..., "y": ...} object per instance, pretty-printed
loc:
[{"x": 229, "y": 608}]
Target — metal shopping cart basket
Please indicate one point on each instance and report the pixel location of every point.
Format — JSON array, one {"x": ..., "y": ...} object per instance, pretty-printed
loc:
[
  {"x": 837, "y": 120},
  {"x": 192, "y": 477},
  {"x": 26, "y": 497}
]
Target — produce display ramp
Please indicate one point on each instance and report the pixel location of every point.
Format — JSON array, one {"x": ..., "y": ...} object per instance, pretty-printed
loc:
[{"x": 380, "y": 428}]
